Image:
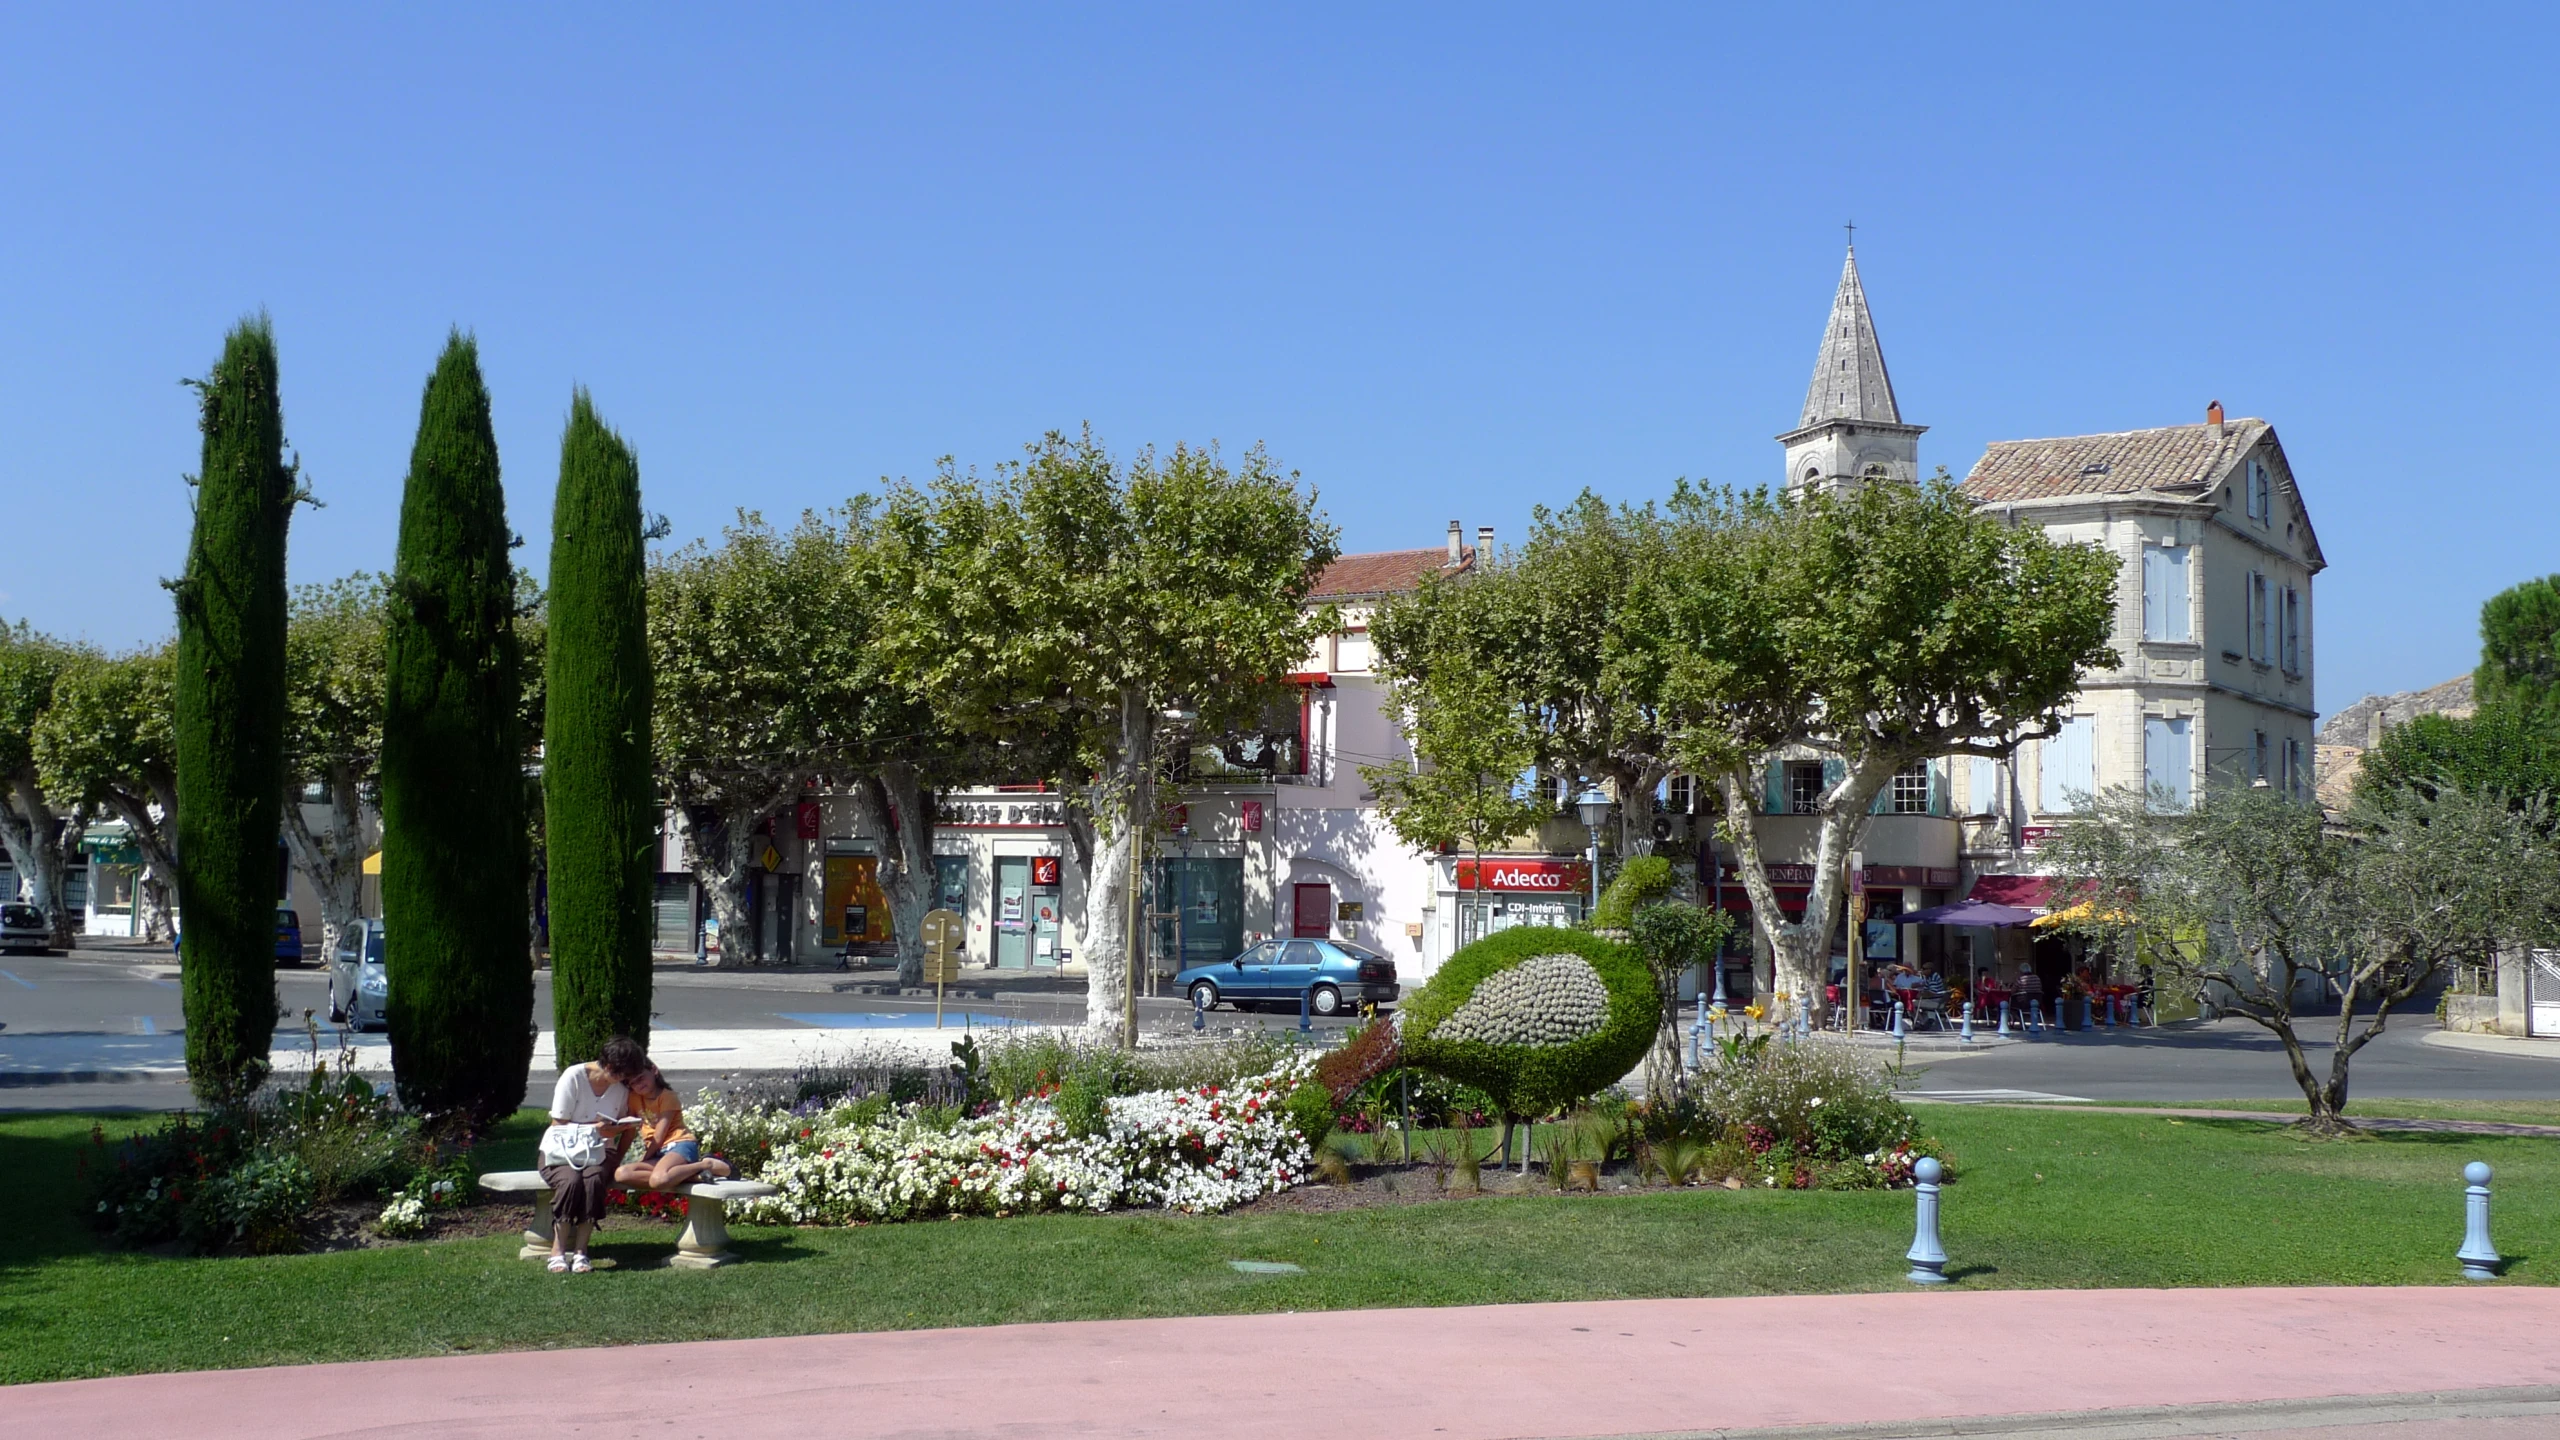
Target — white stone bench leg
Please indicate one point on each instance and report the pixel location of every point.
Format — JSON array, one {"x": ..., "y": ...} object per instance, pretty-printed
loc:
[
  {"x": 705, "y": 1241},
  {"x": 537, "y": 1235}
]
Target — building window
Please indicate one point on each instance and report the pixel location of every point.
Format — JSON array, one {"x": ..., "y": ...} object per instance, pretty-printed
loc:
[
  {"x": 2168, "y": 762},
  {"x": 1911, "y": 789},
  {"x": 2165, "y": 610},
  {"x": 1804, "y": 787},
  {"x": 2260, "y": 493},
  {"x": 1351, "y": 650},
  {"x": 2292, "y": 651},
  {"x": 2259, "y": 623},
  {"x": 2258, "y": 756},
  {"x": 2067, "y": 767},
  {"x": 1551, "y": 790},
  {"x": 1680, "y": 795},
  {"x": 2296, "y": 783}
]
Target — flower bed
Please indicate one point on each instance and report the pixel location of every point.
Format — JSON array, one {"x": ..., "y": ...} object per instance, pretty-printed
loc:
[{"x": 1197, "y": 1148}]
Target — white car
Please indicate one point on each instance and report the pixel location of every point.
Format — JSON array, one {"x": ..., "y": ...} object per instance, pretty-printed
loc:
[
  {"x": 22, "y": 927},
  {"x": 358, "y": 986}
]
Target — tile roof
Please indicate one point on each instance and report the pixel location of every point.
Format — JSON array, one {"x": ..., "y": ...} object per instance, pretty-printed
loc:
[
  {"x": 2173, "y": 458},
  {"x": 1386, "y": 572}
]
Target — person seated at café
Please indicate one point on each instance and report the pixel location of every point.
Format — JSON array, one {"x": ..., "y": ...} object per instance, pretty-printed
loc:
[{"x": 2027, "y": 996}]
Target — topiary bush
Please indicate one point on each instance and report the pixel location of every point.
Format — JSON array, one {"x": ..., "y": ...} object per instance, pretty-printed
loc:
[
  {"x": 1642, "y": 880},
  {"x": 1536, "y": 1018}
]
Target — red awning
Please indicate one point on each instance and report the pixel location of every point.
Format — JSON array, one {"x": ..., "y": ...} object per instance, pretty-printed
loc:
[{"x": 2027, "y": 892}]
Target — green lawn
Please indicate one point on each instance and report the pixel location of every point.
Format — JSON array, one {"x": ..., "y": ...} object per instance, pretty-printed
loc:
[
  {"x": 2045, "y": 1199},
  {"x": 2510, "y": 1112}
]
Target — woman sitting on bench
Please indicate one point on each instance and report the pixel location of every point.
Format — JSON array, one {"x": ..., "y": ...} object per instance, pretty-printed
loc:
[
  {"x": 670, "y": 1155},
  {"x": 589, "y": 1124}
]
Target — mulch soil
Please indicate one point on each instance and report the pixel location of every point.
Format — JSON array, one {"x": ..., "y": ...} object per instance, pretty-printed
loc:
[{"x": 1368, "y": 1186}]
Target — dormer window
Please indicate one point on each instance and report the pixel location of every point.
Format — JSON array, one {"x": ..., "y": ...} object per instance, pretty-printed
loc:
[{"x": 2259, "y": 493}]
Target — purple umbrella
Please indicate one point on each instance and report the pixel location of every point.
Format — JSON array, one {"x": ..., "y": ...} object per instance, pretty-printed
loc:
[{"x": 1967, "y": 912}]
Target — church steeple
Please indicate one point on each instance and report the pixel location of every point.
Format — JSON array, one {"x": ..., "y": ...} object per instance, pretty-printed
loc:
[
  {"x": 1851, "y": 428},
  {"x": 1849, "y": 379}
]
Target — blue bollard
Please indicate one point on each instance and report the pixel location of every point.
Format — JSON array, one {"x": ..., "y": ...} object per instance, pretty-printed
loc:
[
  {"x": 1199, "y": 1012},
  {"x": 1306, "y": 1011},
  {"x": 2480, "y": 1259},
  {"x": 2107, "y": 1012},
  {"x": 1928, "y": 1258},
  {"x": 1968, "y": 1022},
  {"x": 2004, "y": 1017},
  {"x": 1900, "y": 1028}
]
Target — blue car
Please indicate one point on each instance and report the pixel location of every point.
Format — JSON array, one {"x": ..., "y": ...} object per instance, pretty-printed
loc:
[{"x": 1333, "y": 974}]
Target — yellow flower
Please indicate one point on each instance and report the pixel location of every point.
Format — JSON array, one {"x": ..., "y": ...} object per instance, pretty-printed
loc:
[{"x": 1753, "y": 1011}]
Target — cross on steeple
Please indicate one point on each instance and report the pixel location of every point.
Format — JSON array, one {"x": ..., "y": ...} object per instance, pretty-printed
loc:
[{"x": 1852, "y": 228}]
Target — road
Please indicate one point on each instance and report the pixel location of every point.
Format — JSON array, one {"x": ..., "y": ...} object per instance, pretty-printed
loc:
[{"x": 116, "y": 1009}]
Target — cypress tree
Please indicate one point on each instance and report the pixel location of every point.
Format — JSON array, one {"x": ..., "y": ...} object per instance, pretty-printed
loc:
[
  {"x": 598, "y": 799},
  {"x": 455, "y": 876},
  {"x": 230, "y": 718}
]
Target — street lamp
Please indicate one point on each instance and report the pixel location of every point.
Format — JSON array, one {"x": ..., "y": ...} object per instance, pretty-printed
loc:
[{"x": 1593, "y": 807}]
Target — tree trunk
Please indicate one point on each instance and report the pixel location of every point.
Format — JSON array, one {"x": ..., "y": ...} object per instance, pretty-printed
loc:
[
  {"x": 896, "y": 805},
  {"x": 721, "y": 870},
  {"x": 28, "y": 829},
  {"x": 1123, "y": 807},
  {"x": 1801, "y": 950},
  {"x": 159, "y": 862},
  {"x": 333, "y": 861}
]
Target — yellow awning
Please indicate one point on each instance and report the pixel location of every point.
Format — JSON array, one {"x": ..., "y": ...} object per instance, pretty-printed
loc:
[
  {"x": 2085, "y": 910},
  {"x": 373, "y": 863}
]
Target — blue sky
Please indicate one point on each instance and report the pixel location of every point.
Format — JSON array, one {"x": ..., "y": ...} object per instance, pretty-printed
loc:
[{"x": 1447, "y": 263}]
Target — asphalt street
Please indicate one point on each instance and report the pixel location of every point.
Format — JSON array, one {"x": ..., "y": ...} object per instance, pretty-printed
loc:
[{"x": 115, "y": 1009}]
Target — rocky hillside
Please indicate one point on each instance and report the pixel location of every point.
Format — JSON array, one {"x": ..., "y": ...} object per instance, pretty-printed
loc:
[{"x": 2359, "y": 728}]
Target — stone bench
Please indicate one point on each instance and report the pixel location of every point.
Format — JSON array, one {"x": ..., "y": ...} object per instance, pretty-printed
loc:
[{"x": 704, "y": 1243}]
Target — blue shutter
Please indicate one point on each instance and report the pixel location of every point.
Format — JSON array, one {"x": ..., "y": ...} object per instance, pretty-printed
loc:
[
  {"x": 1777, "y": 787},
  {"x": 1937, "y": 788},
  {"x": 2155, "y": 579}
]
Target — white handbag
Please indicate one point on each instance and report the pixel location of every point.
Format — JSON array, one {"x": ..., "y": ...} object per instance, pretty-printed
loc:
[{"x": 578, "y": 1146}]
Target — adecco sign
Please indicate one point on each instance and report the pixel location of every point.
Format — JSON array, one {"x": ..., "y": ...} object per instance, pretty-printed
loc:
[{"x": 1545, "y": 877}]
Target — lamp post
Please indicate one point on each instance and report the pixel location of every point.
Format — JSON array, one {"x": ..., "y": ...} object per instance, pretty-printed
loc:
[{"x": 1593, "y": 807}]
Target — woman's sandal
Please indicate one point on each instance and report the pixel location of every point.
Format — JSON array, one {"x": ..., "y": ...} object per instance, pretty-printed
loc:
[
  {"x": 559, "y": 1265},
  {"x": 578, "y": 1264}
]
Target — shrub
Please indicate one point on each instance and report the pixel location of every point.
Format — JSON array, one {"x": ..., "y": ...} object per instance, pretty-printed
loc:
[
  {"x": 1536, "y": 1018},
  {"x": 1311, "y": 1110},
  {"x": 1641, "y": 881},
  {"x": 1802, "y": 1116},
  {"x": 257, "y": 1205}
]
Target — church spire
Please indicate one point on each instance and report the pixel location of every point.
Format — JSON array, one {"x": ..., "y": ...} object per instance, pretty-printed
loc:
[{"x": 1849, "y": 380}]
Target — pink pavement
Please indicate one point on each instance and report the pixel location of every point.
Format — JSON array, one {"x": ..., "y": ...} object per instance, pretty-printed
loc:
[{"x": 1627, "y": 1367}]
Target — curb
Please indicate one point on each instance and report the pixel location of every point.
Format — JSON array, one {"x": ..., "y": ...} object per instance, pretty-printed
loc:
[{"x": 2159, "y": 1422}]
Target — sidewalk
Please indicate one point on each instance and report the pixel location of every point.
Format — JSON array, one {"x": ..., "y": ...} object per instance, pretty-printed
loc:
[
  {"x": 2479, "y": 1044},
  {"x": 1889, "y": 1365}
]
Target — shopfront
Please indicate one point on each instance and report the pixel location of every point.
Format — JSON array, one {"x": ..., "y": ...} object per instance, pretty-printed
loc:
[
  {"x": 1029, "y": 912},
  {"x": 1507, "y": 891},
  {"x": 1197, "y": 905},
  {"x": 853, "y": 914}
]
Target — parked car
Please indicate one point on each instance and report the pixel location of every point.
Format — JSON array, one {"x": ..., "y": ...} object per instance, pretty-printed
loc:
[
  {"x": 288, "y": 937},
  {"x": 358, "y": 986},
  {"x": 22, "y": 927},
  {"x": 1330, "y": 973}
]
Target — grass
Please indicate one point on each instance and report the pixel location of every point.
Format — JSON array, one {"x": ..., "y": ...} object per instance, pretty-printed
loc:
[
  {"x": 2043, "y": 1199},
  {"x": 2508, "y": 1112}
]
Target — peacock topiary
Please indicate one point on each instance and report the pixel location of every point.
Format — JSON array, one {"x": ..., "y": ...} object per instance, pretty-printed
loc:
[{"x": 1536, "y": 1018}]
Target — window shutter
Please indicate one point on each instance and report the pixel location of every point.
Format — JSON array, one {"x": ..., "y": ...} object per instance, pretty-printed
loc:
[
  {"x": 1937, "y": 788},
  {"x": 2155, "y": 579},
  {"x": 2175, "y": 610},
  {"x": 1832, "y": 770},
  {"x": 1777, "y": 787}
]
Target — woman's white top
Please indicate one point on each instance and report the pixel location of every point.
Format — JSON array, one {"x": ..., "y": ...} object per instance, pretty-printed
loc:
[{"x": 575, "y": 1107}]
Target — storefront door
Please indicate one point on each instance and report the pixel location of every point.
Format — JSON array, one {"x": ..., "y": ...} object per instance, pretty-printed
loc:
[
  {"x": 1199, "y": 908},
  {"x": 1312, "y": 913},
  {"x": 1013, "y": 912}
]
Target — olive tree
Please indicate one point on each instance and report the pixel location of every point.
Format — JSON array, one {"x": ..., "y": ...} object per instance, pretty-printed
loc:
[{"x": 2260, "y": 906}]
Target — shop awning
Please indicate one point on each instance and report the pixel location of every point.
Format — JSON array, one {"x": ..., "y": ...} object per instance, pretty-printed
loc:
[
  {"x": 1967, "y": 912},
  {"x": 2025, "y": 892},
  {"x": 373, "y": 863},
  {"x": 2085, "y": 910}
]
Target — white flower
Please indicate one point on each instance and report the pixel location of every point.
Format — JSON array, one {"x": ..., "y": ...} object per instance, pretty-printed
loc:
[{"x": 1814, "y": 1103}]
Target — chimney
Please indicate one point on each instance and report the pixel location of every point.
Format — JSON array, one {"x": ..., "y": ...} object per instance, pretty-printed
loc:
[
  {"x": 1484, "y": 544},
  {"x": 2213, "y": 418},
  {"x": 1454, "y": 543}
]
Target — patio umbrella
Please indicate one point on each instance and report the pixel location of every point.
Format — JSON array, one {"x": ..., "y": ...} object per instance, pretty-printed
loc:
[{"x": 1967, "y": 912}]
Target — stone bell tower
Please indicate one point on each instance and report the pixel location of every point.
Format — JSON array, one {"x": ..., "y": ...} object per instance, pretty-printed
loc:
[{"x": 1851, "y": 429}]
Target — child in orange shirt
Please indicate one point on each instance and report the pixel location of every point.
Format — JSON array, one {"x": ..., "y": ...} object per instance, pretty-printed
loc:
[{"x": 670, "y": 1155}]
